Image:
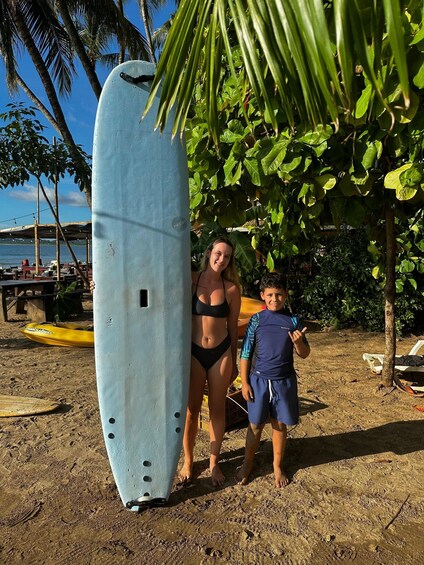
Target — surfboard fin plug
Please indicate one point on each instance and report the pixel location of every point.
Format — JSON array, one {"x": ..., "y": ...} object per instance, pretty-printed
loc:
[
  {"x": 144, "y": 504},
  {"x": 136, "y": 80}
]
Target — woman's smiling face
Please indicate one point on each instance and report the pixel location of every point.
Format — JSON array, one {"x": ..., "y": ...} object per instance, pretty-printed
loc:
[{"x": 220, "y": 256}]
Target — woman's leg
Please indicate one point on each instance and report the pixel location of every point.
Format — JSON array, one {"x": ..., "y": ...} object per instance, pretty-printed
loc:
[
  {"x": 195, "y": 398},
  {"x": 219, "y": 377}
]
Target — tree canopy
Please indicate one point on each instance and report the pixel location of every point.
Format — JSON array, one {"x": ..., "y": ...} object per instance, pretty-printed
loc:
[
  {"x": 337, "y": 137},
  {"x": 307, "y": 52}
]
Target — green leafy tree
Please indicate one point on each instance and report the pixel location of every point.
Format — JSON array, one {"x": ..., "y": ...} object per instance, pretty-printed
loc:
[
  {"x": 35, "y": 27},
  {"x": 364, "y": 166},
  {"x": 47, "y": 31}
]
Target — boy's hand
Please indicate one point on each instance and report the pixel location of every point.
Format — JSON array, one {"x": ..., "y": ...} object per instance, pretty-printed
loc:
[
  {"x": 301, "y": 346},
  {"x": 247, "y": 392},
  {"x": 297, "y": 335}
]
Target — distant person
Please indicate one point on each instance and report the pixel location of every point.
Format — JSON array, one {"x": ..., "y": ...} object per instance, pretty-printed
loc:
[
  {"x": 269, "y": 383},
  {"x": 216, "y": 304}
]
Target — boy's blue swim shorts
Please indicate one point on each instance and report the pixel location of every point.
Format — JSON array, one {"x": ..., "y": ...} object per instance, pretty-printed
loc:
[{"x": 276, "y": 398}]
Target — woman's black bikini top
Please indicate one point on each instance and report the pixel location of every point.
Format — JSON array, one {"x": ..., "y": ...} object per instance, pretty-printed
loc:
[{"x": 199, "y": 308}]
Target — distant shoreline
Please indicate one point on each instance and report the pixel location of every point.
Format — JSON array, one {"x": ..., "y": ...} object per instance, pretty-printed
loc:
[{"x": 14, "y": 251}]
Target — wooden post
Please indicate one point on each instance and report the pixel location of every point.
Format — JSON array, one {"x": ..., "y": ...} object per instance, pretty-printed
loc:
[
  {"x": 87, "y": 251},
  {"x": 37, "y": 241},
  {"x": 56, "y": 203},
  {"x": 37, "y": 247}
]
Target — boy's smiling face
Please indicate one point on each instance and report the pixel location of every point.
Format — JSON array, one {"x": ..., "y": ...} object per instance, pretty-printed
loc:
[{"x": 274, "y": 298}]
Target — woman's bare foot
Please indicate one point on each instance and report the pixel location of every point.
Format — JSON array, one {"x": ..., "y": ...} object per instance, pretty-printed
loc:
[
  {"x": 217, "y": 475},
  {"x": 185, "y": 475},
  {"x": 281, "y": 479},
  {"x": 243, "y": 473}
]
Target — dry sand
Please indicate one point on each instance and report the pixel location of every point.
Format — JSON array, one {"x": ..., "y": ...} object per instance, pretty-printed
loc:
[{"x": 356, "y": 460}]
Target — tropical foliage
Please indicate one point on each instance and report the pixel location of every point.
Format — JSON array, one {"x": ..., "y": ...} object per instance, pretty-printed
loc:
[
  {"x": 305, "y": 51},
  {"x": 295, "y": 182},
  {"x": 25, "y": 152},
  {"x": 50, "y": 32},
  {"x": 344, "y": 293},
  {"x": 354, "y": 157}
]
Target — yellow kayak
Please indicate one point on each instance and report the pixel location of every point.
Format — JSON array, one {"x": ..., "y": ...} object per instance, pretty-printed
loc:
[
  {"x": 249, "y": 306},
  {"x": 76, "y": 334},
  {"x": 66, "y": 334}
]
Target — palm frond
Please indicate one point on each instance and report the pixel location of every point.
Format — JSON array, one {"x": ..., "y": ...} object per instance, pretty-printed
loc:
[
  {"x": 52, "y": 41},
  {"x": 8, "y": 40},
  {"x": 310, "y": 49}
]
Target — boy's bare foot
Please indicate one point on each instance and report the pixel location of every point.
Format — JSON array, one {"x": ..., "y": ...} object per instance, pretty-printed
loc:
[
  {"x": 217, "y": 475},
  {"x": 243, "y": 473},
  {"x": 185, "y": 475},
  {"x": 281, "y": 479}
]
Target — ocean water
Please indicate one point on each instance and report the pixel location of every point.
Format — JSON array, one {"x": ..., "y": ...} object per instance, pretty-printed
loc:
[{"x": 13, "y": 253}]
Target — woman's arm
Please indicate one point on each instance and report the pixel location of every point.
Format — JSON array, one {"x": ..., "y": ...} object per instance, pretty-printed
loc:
[{"x": 234, "y": 301}]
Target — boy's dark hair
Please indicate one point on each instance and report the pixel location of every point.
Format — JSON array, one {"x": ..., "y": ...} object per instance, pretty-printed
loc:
[{"x": 273, "y": 280}]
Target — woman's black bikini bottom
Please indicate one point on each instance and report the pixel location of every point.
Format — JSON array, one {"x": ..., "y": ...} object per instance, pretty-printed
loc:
[{"x": 208, "y": 357}]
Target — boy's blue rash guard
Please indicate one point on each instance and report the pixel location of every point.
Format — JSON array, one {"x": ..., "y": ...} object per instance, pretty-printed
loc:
[{"x": 267, "y": 340}]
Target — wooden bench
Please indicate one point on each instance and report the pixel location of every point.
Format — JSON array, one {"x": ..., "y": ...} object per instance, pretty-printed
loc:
[{"x": 40, "y": 307}]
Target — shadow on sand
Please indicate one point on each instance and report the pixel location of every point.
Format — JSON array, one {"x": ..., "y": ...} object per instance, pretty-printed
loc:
[{"x": 399, "y": 438}]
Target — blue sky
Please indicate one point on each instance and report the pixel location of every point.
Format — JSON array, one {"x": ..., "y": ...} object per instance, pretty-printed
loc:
[{"x": 18, "y": 206}]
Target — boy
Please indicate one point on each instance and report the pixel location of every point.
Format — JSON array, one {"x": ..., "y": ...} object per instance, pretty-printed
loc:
[{"x": 269, "y": 384}]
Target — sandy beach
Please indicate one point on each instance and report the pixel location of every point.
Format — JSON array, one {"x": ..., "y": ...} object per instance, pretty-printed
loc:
[{"x": 356, "y": 463}]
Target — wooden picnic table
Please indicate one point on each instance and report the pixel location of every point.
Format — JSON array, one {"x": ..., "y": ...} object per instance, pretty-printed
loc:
[{"x": 23, "y": 290}]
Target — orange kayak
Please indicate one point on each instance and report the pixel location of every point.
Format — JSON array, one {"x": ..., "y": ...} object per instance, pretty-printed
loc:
[{"x": 249, "y": 306}]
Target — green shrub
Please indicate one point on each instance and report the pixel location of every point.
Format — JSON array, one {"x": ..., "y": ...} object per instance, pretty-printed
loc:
[
  {"x": 65, "y": 304},
  {"x": 344, "y": 293}
]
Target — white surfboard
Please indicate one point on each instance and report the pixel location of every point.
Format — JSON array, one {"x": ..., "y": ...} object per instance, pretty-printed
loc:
[{"x": 141, "y": 269}]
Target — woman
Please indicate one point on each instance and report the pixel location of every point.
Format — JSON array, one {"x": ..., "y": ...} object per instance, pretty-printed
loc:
[{"x": 215, "y": 310}]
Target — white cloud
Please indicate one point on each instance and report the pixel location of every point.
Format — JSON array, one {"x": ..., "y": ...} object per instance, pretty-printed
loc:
[
  {"x": 29, "y": 193},
  {"x": 74, "y": 198}
]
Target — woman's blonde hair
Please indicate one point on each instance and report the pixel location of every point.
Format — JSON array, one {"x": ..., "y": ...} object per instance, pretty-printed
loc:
[{"x": 230, "y": 271}]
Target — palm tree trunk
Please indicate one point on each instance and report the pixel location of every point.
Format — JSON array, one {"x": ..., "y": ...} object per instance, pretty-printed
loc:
[
  {"x": 32, "y": 96},
  {"x": 49, "y": 88},
  {"x": 389, "y": 298},
  {"x": 79, "y": 47},
  {"x": 121, "y": 40},
  {"x": 145, "y": 18}
]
